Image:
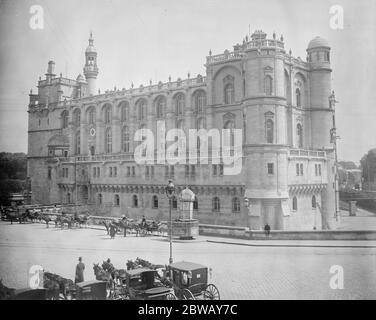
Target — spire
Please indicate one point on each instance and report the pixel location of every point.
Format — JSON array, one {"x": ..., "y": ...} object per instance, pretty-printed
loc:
[{"x": 91, "y": 40}]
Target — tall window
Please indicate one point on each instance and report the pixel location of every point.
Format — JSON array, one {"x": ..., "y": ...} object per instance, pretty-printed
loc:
[
  {"x": 230, "y": 125},
  {"x": 294, "y": 204},
  {"x": 100, "y": 198},
  {"x": 49, "y": 173},
  {"x": 229, "y": 93},
  {"x": 299, "y": 133},
  {"x": 77, "y": 117},
  {"x": 124, "y": 111},
  {"x": 160, "y": 106},
  {"x": 268, "y": 85},
  {"x": 269, "y": 131},
  {"x": 174, "y": 203},
  {"x": 155, "y": 202},
  {"x": 117, "y": 200},
  {"x": 200, "y": 101},
  {"x": 195, "y": 203},
  {"x": 135, "y": 201},
  {"x": 141, "y": 110},
  {"x": 108, "y": 114},
  {"x": 125, "y": 139},
  {"x": 92, "y": 117},
  {"x": 313, "y": 202},
  {"x": 179, "y": 104},
  {"x": 216, "y": 204},
  {"x": 108, "y": 140},
  {"x": 298, "y": 97},
  {"x": 235, "y": 205},
  {"x": 64, "y": 119},
  {"x": 69, "y": 198},
  {"x": 78, "y": 143}
]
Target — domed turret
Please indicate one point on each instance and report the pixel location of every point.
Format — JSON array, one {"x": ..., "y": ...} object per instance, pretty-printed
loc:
[
  {"x": 318, "y": 42},
  {"x": 90, "y": 68}
]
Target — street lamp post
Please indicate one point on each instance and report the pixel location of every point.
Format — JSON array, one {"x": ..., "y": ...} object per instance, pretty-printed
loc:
[{"x": 170, "y": 191}]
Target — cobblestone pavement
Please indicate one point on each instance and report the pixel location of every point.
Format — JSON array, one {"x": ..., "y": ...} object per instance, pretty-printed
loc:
[{"x": 240, "y": 272}]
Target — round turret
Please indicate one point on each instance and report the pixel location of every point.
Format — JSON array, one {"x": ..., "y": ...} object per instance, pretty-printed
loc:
[{"x": 318, "y": 42}]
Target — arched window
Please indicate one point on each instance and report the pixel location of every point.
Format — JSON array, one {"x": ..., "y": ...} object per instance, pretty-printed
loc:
[
  {"x": 77, "y": 117},
  {"x": 268, "y": 85},
  {"x": 100, "y": 198},
  {"x": 235, "y": 205},
  {"x": 298, "y": 97},
  {"x": 141, "y": 110},
  {"x": 299, "y": 133},
  {"x": 135, "y": 201},
  {"x": 230, "y": 125},
  {"x": 155, "y": 202},
  {"x": 269, "y": 131},
  {"x": 294, "y": 204},
  {"x": 108, "y": 140},
  {"x": 229, "y": 93},
  {"x": 64, "y": 119},
  {"x": 117, "y": 200},
  {"x": 179, "y": 104},
  {"x": 124, "y": 111},
  {"x": 69, "y": 198},
  {"x": 78, "y": 143},
  {"x": 160, "y": 107},
  {"x": 200, "y": 101},
  {"x": 108, "y": 114},
  {"x": 313, "y": 202},
  {"x": 92, "y": 116},
  {"x": 195, "y": 203},
  {"x": 125, "y": 139},
  {"x": 216, "y": 204}
]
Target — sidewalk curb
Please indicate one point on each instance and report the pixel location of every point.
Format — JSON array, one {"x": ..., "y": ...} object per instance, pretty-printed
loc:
[{"x": 292, "y": 245}]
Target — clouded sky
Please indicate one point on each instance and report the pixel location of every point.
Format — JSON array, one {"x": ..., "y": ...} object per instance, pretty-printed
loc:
[{"x": 152, "y": 39}]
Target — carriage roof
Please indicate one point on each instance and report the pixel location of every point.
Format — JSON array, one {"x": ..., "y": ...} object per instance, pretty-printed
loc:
[
  {"x": 138, "y": 271},
  {"x": 90, "y": 283},
  {"x": 187, "y": 266}
]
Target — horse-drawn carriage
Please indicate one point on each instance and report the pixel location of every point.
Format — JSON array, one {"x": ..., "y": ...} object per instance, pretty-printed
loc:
[
  {"x": 190, "y": 281},
  {"x": 91, "y": 290},
  {"x": 145, "y": 284}
]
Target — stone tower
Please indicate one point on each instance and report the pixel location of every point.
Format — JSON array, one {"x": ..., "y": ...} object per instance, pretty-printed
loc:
[
  {"x": 322, "y": 119},
  {"x": 90, "y": 68}
]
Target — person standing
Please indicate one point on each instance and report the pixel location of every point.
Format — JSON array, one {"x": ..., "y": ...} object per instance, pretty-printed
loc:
[
  {"x": 79, "y": 271},
  {"x": 267, "y": 230}
]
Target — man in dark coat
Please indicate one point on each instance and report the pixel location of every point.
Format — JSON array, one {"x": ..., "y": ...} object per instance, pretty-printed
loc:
[
  {"x": 267, "y": 230},
  {"x": 79, "y": 271}
]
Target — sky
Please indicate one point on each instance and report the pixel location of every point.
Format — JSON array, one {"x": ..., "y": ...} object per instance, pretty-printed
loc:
[{"x": 144, "y": 40}]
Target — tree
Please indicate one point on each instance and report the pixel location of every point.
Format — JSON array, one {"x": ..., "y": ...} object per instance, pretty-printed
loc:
[{"x": 368, "y": 164}]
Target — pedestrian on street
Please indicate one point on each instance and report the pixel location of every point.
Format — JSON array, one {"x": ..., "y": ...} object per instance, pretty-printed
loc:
[
  {"x": 112, "y": 230},
  {"x": 267, "y": 230},
  {"x": 79, "y": 271}
]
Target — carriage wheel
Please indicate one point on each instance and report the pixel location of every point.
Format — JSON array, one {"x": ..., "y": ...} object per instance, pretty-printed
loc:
[
  {"x": 187, "y": 295},
  {"x": 211, "y": 293},
  {"x": 171, "y": 296}
]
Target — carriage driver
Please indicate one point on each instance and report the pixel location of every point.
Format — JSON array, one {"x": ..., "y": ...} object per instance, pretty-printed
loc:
[{"x": 79, "y": 271}]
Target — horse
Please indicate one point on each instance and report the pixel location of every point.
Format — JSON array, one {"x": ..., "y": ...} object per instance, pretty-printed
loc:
[
  {"x": 103, "y": 275},
  {"x": 47, "y": 219},
  {"x": 57, "y": 285},
  {"x": 81, "y": 219},
  {"x": 163, "y": 228},
  {"x": 107, "y": 225}
]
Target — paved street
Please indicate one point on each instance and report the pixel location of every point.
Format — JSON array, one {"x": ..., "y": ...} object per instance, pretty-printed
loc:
[{"x": 239, "y": 271}]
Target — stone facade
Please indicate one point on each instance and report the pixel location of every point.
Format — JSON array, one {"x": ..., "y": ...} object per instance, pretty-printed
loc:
[{"x": 81, "y": 146}]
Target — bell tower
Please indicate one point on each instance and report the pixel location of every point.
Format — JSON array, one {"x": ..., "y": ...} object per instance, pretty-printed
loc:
[{"x": 90, "y": 68}]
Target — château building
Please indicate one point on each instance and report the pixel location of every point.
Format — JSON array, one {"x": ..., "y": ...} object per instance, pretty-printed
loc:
[{"x": 81, "y": 140}]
